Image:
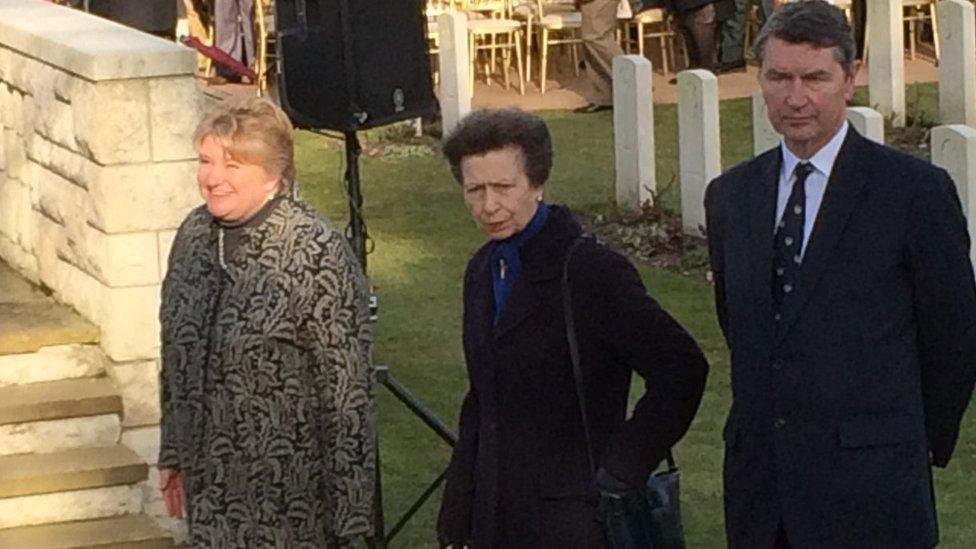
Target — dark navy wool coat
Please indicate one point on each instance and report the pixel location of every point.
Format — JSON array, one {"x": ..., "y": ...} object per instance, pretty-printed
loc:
[{"x": 519, "y": 476}]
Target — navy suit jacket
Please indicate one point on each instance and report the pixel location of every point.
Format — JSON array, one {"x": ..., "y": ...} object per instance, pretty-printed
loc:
[{"x": 838, "y": 408}]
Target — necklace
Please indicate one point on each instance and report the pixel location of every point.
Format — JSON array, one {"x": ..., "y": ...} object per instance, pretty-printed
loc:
[{"x": 220, "y": 248}]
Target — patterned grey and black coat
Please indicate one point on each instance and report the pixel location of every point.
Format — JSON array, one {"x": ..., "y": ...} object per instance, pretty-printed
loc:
[{"x": 267, "y": 384}]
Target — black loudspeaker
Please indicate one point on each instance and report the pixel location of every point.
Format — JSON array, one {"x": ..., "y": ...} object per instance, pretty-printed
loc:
[
  {"x": 155, "y": 16},
  {"x": 352, "y": 64}
]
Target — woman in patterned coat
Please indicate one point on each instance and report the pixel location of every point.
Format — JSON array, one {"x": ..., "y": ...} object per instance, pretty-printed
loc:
[{"x": 266, "y": 384}]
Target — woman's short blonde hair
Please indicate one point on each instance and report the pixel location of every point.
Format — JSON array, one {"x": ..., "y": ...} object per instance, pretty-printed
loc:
[{"x": 252, "y": 130}]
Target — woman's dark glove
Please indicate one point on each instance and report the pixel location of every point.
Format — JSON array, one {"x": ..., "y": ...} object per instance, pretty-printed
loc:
[{"x": 607, "y": 483}]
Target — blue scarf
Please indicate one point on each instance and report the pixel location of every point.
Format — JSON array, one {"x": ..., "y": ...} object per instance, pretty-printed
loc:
[{"x": 505, "y": 263}]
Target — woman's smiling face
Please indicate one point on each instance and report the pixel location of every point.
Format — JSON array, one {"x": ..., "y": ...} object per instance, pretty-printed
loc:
[{"x": 233, "y": 190}]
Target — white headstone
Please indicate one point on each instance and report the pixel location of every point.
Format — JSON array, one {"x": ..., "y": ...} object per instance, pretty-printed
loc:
[
  {"x": 954, "y": 149},
  {"x": 868, "y": 122},
  {"x": 699, "y": 149},
  {"x": 886, "y": 65},
  {"x": 764, "y": 135},
  {"x": 957, "y": 63},
  {"x": 455, "y": 97},
  {"x": 633, "y": 131}
]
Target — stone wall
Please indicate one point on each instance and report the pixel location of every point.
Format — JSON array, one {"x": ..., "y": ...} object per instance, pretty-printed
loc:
[{"x": 96, "y": 172}]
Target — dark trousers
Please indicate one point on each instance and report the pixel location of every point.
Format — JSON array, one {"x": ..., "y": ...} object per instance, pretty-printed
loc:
[
  {"x": 860, "y": 16},
  {"x": 699, "y": 28},
  {"x": 599, "y": 48},
  {"x": 782, "y": 542},
  {"x": 733, "y": 28}
]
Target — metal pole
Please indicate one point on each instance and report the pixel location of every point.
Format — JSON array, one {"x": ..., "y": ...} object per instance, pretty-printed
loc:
[
  {"x": 378, "y": 540},
  {"x": 416, "y": 506},
  {"x": 415, "y": 405},
  {"x": 357, "y": 233}
]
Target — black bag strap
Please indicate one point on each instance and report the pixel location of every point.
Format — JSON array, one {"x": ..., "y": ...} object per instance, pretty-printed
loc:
[
  {"x": 574, "y": 349},
  {"x": 574, "y": 357}
]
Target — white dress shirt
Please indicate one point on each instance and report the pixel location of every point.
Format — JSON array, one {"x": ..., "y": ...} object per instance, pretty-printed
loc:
[{"x": 823, "y": 163}]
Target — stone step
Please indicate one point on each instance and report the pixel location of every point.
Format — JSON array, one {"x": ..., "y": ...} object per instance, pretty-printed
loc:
[
  {"x": 60, "y": 434},
  {"x": 76, "y": 484},
  {"x": 86, "y": 504},
  {"x": 26, "y": 327},
  {"x": 76, "y": 469},
  {"x": 127, "y": 532},
  {"x": 58, "y": 400},
  {"x": 16, "y": 289},
  {"x": 52, "y": 364}
]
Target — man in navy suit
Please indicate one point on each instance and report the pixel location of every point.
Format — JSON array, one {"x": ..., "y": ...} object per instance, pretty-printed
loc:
[{"x": 845, "y": 291}]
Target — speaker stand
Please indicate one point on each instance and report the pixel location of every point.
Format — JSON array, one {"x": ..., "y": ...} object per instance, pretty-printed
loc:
[
  {"x": 357, "y": 235},
  {"x": 357, "y": 227}
]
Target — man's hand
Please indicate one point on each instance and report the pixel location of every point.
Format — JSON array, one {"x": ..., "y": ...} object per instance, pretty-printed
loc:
[{"x": 171, "y": 484}]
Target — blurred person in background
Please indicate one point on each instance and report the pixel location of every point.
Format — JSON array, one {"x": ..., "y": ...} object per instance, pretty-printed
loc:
[
  {"x": 698, "y": 21},
  {"x": 234, "y": 35}
]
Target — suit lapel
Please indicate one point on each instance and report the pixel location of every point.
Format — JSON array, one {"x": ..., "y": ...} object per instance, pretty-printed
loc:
[
  {"x": 762, "y": 212},
  {"x": 840, "y": 198}
]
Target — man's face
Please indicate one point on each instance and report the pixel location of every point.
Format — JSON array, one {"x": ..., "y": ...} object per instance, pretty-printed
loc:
[{"x": 806, "y": 92}]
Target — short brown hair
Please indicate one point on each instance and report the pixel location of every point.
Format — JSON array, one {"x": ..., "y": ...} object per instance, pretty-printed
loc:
[
  {"x": 494, "y": 129},
  {"x": 252, "y": 130}
]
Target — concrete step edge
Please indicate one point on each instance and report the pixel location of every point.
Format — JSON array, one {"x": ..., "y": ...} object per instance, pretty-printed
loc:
[
  {"x": 58, "y": 400},
  {"x": 73, "y": 505},
  {"x": 67, "y": 470},
  {"x": 129, "y": 532},
  {"x": 56, "y": 435},
  {"x": 53, "y": 363},
  {"x": 27, "y": 327}
]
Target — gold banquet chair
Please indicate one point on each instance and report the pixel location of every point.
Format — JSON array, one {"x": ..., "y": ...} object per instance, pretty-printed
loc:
[
  {"x": 265, "y": 52},
  {"x": 916, "y": 13},
  {"x": 653, "y": 23},
  {"x": 558, "y": 24},
  {"x": 432, "y": 11},
  {"x": 491, "y": 30}
]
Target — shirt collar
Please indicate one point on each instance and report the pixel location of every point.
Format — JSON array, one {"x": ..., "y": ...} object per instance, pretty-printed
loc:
[{"x": 823, "y": 160}]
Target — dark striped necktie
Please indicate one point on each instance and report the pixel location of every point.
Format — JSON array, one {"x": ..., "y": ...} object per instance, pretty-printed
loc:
[{"x": 789, "y": 240}]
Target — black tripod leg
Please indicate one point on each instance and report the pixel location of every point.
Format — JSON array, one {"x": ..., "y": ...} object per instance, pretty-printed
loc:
[{"x": 378, "y": 541}]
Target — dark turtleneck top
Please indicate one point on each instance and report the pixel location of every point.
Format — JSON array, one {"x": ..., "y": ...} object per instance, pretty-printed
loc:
[{"x": 232, "y": 230}]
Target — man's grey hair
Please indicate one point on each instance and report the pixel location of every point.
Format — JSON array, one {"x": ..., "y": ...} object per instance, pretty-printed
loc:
[{"x": 814, "y": 22}]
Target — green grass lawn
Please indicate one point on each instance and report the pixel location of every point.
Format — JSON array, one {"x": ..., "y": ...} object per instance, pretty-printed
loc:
[{"x": 423, "y": 237}]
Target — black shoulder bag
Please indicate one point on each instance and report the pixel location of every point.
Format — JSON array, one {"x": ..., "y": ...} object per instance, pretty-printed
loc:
[{"x": 651, "y": 522}]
